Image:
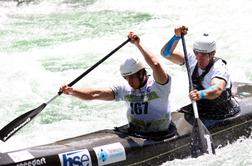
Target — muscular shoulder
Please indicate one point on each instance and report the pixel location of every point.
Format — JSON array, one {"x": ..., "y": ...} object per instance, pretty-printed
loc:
[
  {"x": 219, "y": 70},
  {"x": 120, "y": 90},
  {"x": 163, "y": 87},
  {"x": 219, "y": 67}
]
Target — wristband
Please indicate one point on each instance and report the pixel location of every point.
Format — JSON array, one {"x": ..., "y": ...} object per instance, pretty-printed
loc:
[
  {"x": 202, "y": 94},
  {"x": 168, "y": 46},
  {"x": 176, "y": 37}
]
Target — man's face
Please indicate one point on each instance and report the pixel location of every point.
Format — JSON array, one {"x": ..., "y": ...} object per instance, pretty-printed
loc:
[
  {"x": 203, "y": 59},
  {"x": 133, "y": 80}
]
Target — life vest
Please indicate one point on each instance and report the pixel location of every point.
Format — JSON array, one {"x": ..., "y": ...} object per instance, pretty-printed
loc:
[{"x": 223, "y": 106}]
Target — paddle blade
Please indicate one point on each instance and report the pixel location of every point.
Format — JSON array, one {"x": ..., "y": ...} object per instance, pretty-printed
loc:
[
  {"x": 201, "y": 140},
  {"x": 11, "y": 128}
]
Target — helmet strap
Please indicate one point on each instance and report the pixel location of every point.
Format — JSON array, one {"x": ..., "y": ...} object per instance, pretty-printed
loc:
[
  {"x": 142, "y": 77},
  {"x": 211, "y": 56}
]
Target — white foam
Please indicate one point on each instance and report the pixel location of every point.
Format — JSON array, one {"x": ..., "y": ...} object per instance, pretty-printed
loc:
[{"x": 26, "y": 82}]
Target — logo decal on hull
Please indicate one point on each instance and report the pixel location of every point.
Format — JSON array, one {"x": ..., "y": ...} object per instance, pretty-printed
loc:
[
  {"x": 76, "y": 158},
  {"x": 110, "y": 153},
  {"x": 103, "y": 155},
  {"x": 35, "y": 162}
]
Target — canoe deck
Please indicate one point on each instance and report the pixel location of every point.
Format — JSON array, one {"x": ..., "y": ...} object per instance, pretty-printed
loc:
[{"x": 124, "y": 149}]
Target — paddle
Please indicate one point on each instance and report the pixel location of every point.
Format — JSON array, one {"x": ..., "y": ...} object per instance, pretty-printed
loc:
[
  {"x": 201, "y": 140},
  {"x": 11, "y": 128}
]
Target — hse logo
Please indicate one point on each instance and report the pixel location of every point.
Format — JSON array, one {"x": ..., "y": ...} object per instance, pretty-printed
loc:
[{"x": 75, "y": 158}]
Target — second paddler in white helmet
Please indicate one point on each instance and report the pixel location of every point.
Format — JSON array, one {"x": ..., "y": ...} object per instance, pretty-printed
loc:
[
  {"x": 146, "y": 97},
  {"x": 209, "y": 74},
  {"x": 204, "y": 47}
]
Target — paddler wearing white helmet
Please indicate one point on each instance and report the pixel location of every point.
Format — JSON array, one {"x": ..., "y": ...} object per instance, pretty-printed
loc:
[
  {"x": 210, "y": 76},
  {"x": 133, "y": 68},
  {"x": 146, "y": 97}
]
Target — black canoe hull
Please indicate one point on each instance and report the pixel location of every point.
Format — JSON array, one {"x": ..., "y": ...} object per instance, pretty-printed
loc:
[{"x": 122, "y": 149}]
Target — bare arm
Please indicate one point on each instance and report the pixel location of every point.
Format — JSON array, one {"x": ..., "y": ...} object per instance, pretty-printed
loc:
[
  {"x": 218, "y": 85},
  {"x": 159, "y": 74},
  {"x": 167, "y": 50},
  {"x": 176, "y": 57},
  {"x": 89, "y": 93}
]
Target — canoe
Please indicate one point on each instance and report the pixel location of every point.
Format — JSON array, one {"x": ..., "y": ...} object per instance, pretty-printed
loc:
[{"x": 119, "y": 147}]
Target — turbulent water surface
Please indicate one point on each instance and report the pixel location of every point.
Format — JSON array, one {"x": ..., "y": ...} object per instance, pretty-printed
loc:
[{"x": 46, "y": 43}]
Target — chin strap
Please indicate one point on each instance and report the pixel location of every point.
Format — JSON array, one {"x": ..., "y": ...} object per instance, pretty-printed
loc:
[{"x": 142, "y": 79}]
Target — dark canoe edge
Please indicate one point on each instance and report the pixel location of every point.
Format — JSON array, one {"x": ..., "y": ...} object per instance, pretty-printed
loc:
[{"x": 142, "y": 151}]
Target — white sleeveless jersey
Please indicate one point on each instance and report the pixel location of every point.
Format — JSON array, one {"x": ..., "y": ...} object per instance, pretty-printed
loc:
[
  {"x": 218, "y": 69},
  {"x": 148, "y": 107}
]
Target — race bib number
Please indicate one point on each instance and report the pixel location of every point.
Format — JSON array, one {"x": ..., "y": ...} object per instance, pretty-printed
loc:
[{"x": 139, "y": 108}]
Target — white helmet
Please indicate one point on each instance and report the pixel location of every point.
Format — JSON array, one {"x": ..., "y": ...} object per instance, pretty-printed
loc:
[
  {"x": 130, "y": 66},
  {"x": 204, "y": 44}
]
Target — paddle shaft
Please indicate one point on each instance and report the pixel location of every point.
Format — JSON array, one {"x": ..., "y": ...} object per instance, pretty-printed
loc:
[
  {"x": 12, "y": 127},
  {"x": 201, "y": 137},
  {"x": 96, "y": 64},
  {"x": 194, "y": 104},
  {"x": 90, "y": 69}
]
